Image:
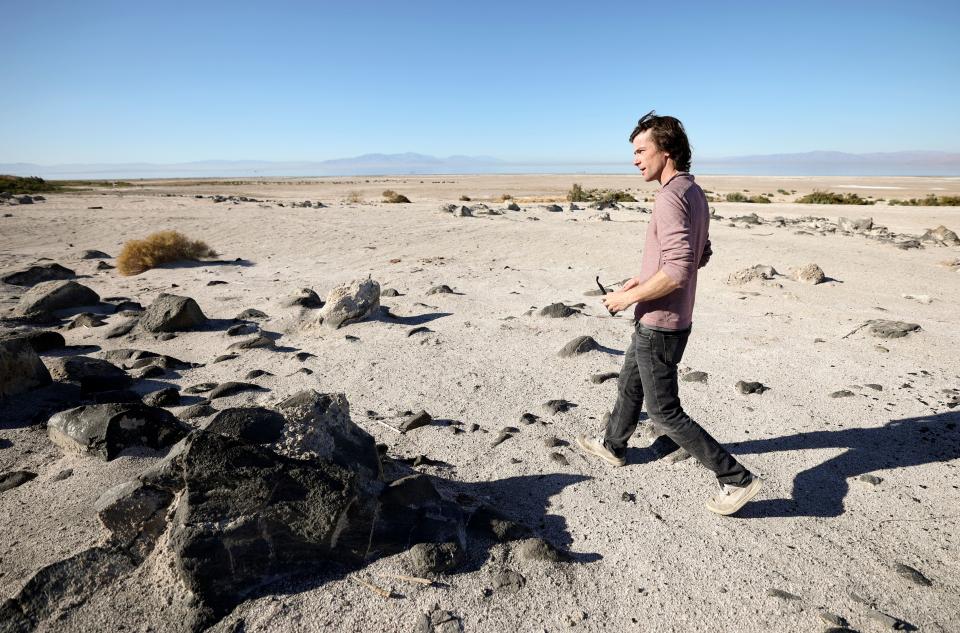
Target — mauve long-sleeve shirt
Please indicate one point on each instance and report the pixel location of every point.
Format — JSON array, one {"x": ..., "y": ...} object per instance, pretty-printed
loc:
[{"x": 678, "y": 243}]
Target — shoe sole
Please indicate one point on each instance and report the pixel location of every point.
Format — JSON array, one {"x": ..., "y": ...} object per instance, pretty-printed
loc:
[
  {"x": 586, "y": 448},
  {"x": 752, "y": 491}
]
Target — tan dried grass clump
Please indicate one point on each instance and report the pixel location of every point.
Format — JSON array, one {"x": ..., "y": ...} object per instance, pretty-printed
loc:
[{"x": 159, "y": 248}]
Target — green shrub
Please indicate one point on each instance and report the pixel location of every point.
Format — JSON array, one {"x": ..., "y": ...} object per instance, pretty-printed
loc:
[
  {"x": 829, "y": 197},
  {"x": 30, "y": 184},
  {"x": 760, "y": 199},
  {"x": 931, "y": 200},
  {"x": 579, "y": 194},
  {"x": 736, "y": 196},
  {"x": 783, "y": 192}
]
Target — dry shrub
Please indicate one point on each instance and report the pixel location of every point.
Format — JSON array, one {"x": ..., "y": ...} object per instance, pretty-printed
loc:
[
  {"x": 159, "y": 248},
  {"x": 464, "y": 198},
  {"x": 504, "y": 197},
  {"x": 354, "y": 197},
  {"x": 393, "y": 197}
]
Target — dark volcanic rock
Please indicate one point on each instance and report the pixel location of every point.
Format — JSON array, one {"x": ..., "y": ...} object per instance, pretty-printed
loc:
[
  {"x": 20, "y": 368},
  {"x": 415, "y": 421},
  {"x": 92, "y": 374},
  {"x": 103, "y": 430},
  {"x": 37, "y": 274},
  {"x": 882, "y": 328},
  {"x": 201, "y": 387},
  {"x": 168, "y": 397},
  {"x": 172, "y": 313},
  {"x": 11, "y": 480},
  {"x": 558, "y": 406},
  {"x": 751, "y": 387},
  {"x": 255, "y": 425},
  {"x": 134, "y": 513},
  {"x": 307, "y": 298},
  {"x": 508, "y": 581},
  {"x": 86, "y": 319},
  {"x": 40, "y": 340},
  {"x": 257, "y": 342},
  {"x": 390, "y": 292},
  {"x": 231, "y": 388},
  {"x": 557, "y": 311},
  {"x": 94, "y": 254},
  {"x": 242, "y": 329},
  {"x": 237, "y": 526},
  {"x": 45, "y": 298},
  {"x": 604, "y": 377},
  {"x": 537, "y": 549},
  {"x": 199, "y": 410},
  {"x": 257, "y": 373},
  {"x": 442, "y": 289},
  {"x": 695, "y": 376},
  {"x": 251, "y": 314},
  {"x": 434, "y": 558},
  {"x": 121, "y": 329},
  {"x": 579, "y": 345}
]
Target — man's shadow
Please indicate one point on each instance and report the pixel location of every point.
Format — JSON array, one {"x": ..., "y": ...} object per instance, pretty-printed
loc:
[{"x": 820, "y": 490}]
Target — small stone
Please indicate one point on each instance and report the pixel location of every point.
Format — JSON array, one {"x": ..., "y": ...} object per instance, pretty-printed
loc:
[
  {"x": 579, "y": 345},
  {"x": 558, "y": 406},
  {"x": 529, "y": 418},
  {"x": 257, "y": 373},
  {"x": 421, "y": 329},
  {"x": 843, "y": 393},
  {"x": 779, "y": 593},
  {"x": 202, "y": 387},
  {"x": 598, "y": 379},
  {"x": 251, "y": 314},
  {"x": 537, "y": 549},
  {"x": 14, "y": 479},
  {"x": 810, "y": 274},
  {"x": 442, "y": 289},
  {"x": 390, "y": 292},
  {"x": 199, "y": 410},
  {"x": 168, "y": 397},
  {"x": 873, "y": 480},
  {"x": 231, "y": 388},
  {"x": 508, "y": 581},
  {"x": 66, "y": 473},
  {"x": 415, "y": 421},
  {"x": 258, "y": 342},
  {"x": 557, "y": 311},
  {"x": 874, "y": 386},
  {"x": 628, "y": 497},
  {"x": 882, "y": 328},
  {"x": 559, "y": 458},
  {"x": 833, "y": 619},
  {"x": 751, "y": 387},
  {"x": 677, "y": 456},
  {"x": 552, "y": 441},
  {"x": 501, "y": 438},
  {"x": 913, "y": 575},
  {"x": 695, "y": 376},
  {"x": 888, "y": 621},
  {"x": 225, "y": 357}
]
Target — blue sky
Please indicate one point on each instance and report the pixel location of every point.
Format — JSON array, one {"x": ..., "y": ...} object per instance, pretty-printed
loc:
[{"x": 178, "y": 81}]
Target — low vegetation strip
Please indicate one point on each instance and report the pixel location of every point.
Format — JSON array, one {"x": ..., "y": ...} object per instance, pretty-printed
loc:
[
  {"x": 35, "y": 184},
  {"x": 931, "y": 200},
  {"x": 829, "y": 197},
  {"x": 578, "y": 194}
]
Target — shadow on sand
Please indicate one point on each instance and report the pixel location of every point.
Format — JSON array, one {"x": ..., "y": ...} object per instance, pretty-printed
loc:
[{"x": 819, "y": 491}]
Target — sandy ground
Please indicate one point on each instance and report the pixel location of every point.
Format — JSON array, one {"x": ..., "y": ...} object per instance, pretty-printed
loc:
[{"x": 660, "y": 562}]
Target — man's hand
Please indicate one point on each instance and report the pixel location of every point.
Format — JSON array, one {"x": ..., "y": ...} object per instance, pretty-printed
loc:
[
  {"x": 618, "y": 301},
  {"x": 632, "y": 283}
]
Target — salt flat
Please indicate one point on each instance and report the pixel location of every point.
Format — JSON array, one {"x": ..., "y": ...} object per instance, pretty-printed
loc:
[{"x": 654, "y": 561}]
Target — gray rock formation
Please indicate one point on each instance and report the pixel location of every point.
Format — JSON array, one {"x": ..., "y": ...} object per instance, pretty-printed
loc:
[
  {"x": 46, "y": 298},
  {"x": 20, "y": 368},
  {"x": 39, "y": 273},
  {"x": 172, "y": 313},
  {"x": 351, "y": 302},
  {"x": 882, "y": 328},
  {"x": 92, "y": 374},
  {"x": 579, "y": 345},
  {"x": 760, "y": 271}
]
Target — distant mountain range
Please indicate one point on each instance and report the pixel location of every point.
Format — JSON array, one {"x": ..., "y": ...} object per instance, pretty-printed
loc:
[{"x": 917, "y": 163}]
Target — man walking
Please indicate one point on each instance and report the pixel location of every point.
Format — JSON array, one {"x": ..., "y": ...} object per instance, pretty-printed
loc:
[{"x": 677, "y": 244}]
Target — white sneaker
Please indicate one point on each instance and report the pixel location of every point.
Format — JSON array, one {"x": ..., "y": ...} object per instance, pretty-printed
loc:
[
  {"x": 731, "y": 498},
  {"x": 594, "y": 446}
]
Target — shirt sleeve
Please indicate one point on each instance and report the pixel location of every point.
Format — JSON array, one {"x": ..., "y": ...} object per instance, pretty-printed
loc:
[
  {"x": 673, "y": 230},
  {"x": 707, "y": 253}
]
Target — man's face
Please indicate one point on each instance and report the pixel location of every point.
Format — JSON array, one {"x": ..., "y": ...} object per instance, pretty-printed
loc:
[{"x": 648, "y": 158}]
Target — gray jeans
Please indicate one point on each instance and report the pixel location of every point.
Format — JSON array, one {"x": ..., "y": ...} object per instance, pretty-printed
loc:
[{"x": 650, "y": 373}]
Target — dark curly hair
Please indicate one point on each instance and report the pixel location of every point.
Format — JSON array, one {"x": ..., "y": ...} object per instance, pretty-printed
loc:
[{"x": 668, "y": 133}]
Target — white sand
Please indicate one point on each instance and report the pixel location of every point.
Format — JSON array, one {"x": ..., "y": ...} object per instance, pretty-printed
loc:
[{"x": 662, "y": 563}]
